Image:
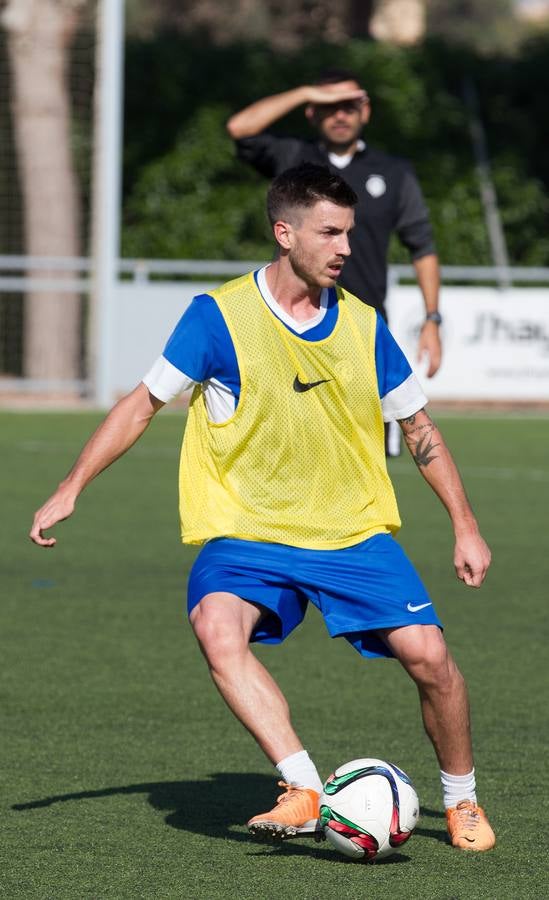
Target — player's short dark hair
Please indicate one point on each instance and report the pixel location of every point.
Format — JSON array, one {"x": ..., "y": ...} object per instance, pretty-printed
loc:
[
  {"x": 334, "y": 75},
  {"x": 302, "y": 186}
]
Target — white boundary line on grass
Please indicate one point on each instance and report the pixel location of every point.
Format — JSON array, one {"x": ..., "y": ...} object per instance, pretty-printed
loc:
[{"x": 498, "y": 473}]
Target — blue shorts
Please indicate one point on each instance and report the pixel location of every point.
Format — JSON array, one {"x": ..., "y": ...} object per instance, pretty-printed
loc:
[{"x": 358, "y": 590}]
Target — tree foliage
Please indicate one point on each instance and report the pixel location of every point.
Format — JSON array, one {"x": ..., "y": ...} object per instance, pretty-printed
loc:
[
  {"x": 486, "y": 26},
  {"x": 188, "y": 196},
  {"x": 193, "y": 200},
  {"x": 283, "y": 24}
]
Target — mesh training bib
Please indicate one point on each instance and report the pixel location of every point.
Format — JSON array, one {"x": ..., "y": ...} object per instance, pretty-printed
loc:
[{"x": 302, "y": 460}]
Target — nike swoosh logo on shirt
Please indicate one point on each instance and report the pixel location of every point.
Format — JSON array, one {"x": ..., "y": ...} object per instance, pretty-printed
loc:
[
  {"x": 301, "y": 386},
  {"x": 411, "y": 608}
]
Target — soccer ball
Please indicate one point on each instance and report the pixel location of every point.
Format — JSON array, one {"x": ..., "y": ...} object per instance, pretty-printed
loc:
[{"x": 368, "y": 809}]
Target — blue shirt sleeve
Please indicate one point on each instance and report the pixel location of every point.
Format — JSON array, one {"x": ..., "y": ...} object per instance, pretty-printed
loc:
[
  {"x": 201, "y": 347},
  {"x": 392, "y": 366}
]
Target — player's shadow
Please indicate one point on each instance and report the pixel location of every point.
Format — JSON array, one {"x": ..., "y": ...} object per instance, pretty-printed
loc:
[
  {"x": 216, "y": 808},
  {"x": 434, "y": 833},
  {"x": 208, "y": 807}
]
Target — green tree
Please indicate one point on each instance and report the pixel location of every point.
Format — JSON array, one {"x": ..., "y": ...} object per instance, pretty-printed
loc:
[
  {"x": 192, "y": 203},
  {"x": 485, "y": 26},
  {"x": 188, "y": 196}
]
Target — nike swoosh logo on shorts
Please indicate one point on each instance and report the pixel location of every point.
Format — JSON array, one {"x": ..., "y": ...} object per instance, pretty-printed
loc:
[
  {"x": 411, "y": 608},
  {"x": 301, "y": 386}
]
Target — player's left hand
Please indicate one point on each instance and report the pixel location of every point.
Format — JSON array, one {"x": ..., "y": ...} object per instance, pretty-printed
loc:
[
  {"x": 430, "y": 346},
  {"x": 471, "y": 559}
]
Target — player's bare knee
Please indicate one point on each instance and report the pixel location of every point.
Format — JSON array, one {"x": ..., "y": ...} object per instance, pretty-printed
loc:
[
  {"x": 432, "y": 665},
  {"x": 217, "y": 636}
]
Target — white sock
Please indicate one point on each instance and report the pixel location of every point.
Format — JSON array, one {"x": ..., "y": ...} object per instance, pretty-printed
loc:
[
  {"x": 457, "y": 787},
  {"x": 299, "y": 769}
]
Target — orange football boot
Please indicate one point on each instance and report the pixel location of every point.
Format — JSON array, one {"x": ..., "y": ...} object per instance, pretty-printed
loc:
[
  {"x": 296, "y": 812},
  {"x": 468, "y": 827}
]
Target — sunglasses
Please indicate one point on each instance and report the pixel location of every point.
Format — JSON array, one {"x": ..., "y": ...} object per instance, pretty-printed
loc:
[{"x": 346, "y": 106}]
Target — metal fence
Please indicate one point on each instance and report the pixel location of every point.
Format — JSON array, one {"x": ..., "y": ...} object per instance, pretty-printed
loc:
[
  {"x": 146, "y": 269},
  {"x": 20, "y": 275}
]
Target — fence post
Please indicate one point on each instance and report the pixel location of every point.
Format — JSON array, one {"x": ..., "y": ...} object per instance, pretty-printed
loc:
[{"x": 106, "y": 194}]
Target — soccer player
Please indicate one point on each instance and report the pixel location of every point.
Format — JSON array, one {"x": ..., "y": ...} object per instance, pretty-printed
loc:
[
  {"x": 283, "y": 479},
  {"x": 389, "y": 196}
]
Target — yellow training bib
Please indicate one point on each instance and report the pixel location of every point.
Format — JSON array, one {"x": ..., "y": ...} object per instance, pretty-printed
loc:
[{"x": 302, "y": 460}]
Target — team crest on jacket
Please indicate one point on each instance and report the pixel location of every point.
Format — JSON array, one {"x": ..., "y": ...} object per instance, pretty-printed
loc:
[{"x": 375, "y": 185}]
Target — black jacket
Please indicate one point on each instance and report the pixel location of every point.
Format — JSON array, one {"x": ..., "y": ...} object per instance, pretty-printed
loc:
[{"x": 389, "y": 200}]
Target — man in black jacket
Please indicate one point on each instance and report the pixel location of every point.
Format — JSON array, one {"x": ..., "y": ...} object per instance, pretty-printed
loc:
[{"x": 390, "y": 198}]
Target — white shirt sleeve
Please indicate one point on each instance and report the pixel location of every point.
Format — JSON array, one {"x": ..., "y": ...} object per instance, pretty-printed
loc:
[
  {"x": 404, "y": 400},
  {"x": 165, "y": 382}
]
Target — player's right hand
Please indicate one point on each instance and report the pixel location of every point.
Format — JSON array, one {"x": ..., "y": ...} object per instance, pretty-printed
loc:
[{"x": 59, "y": 507}]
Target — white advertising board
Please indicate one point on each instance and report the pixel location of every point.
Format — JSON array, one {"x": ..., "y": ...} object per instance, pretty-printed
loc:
[
  {"x": 495, "y": 342},
  {"x": 146, "y": 315}
]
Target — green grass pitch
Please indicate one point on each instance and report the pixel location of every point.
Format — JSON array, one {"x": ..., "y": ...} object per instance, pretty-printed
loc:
[{"x": 124, "y": 776}]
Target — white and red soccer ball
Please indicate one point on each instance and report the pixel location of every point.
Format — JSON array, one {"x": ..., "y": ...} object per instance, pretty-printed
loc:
[{"x": 368, "y": 809}]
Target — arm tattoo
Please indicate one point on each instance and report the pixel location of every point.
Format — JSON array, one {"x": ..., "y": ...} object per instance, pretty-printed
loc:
[
  {"x": 423, "y": 449},
  {"x": 419, "y": 438}
]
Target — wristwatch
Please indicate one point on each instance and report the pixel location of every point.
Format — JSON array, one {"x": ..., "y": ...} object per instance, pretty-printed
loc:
[{"x": 434, "y": 317}]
